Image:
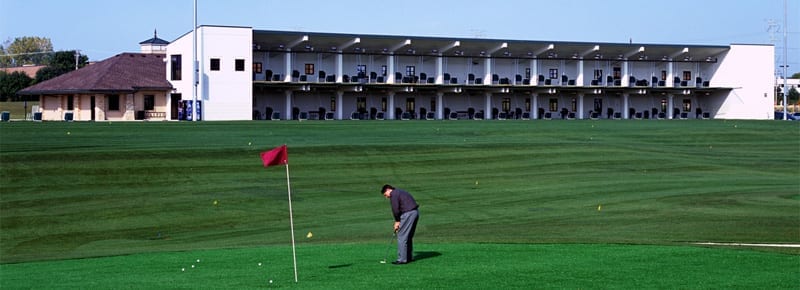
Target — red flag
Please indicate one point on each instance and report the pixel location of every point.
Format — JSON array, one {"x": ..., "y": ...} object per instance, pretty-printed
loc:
[{"x": 277, "y": 156}]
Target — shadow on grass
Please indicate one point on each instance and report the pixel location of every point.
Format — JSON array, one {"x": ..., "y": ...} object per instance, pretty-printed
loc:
[
  {"x": 426, "y": 255},
  {"x": 340, "y": 266}
]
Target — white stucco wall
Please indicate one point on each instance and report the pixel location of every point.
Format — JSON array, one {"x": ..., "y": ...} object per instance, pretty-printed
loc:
[{"x": 749, "y": 70}]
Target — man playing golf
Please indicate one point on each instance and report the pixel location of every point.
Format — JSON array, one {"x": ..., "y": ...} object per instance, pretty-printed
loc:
[{"x": 404, "y": 209}]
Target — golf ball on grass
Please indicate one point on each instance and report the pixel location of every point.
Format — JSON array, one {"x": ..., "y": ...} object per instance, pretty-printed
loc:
[{"x": 309, "y": 235}]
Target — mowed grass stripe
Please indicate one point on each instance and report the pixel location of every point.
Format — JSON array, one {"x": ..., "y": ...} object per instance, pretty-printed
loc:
[{"x": 122, "y": 188}]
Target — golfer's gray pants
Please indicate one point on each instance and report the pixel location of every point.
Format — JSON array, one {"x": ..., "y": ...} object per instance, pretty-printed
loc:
[{"x": 405, "y": 236}]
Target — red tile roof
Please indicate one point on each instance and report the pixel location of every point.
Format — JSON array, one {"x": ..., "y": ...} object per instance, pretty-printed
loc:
[
  {"x": 125, "y": 72},
  {"x": 28, "y": 70}
]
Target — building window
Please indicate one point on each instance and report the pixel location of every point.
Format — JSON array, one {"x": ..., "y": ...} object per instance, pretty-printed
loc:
[
  {"x": 687, "y": 75},
  {"x": 528, "y": 73},
  {"x": 113, "y": 102},
  {"x": 70, "y": 103},
  {"x": 527, "y": 104},
  {"x": 687, "y": 105},
  {"x": 149, "y": 102},
  {"x": 361, "y": 104},
  {"x": 617, "y": 73},
  {"x": 663, "y": 75},
  {"x": 553, "y": 74},
  {"x": 214, "y": 65},
  {"x": 664, "y": 105},
  {"x": 257, "y": 67},
  {"x": 574, "y": 105},
  {"x": 361, "y": 70},
  {"x": 309, "y": 69},
  {"x": 598, "y": 74},
  {"x": 383, "y": 70},
  {"x": 506, "y": 104},
  {"x": 553, "y": 105},
  {"x": 238, "y": 65},
  {"x": 383, "y": 105},
  {"x": 333, "y": 104},
  {"x": 598, "y": 105},
  {"x": 175, "y": 64},
  {"x": 411, "y": 70},
  {"x": 433, "y": 104},
  {"x": 411, "y": 105}
]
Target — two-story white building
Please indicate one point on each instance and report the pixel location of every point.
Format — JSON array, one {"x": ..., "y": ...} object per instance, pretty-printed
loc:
[{"x": 246, "y": 74}]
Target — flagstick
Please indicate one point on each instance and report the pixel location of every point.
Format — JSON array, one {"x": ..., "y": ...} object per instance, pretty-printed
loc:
[{"x": 291, "y": 221}]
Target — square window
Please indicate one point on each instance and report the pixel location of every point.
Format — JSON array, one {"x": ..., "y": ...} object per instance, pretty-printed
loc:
[
  {"x": 214, "y": 65},
  {"x": 239, "y": 65}
]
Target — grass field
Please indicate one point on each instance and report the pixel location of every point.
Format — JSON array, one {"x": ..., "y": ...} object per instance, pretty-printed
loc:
[
  {"x": 533, "y": 203},
  {"x": 17, "y": 110}
]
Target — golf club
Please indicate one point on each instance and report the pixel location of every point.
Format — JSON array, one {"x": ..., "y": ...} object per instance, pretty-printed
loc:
[{"x": 389, "y": 245}]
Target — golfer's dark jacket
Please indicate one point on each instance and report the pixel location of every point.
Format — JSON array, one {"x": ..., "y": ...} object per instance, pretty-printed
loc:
[{"x": 402, "y": 202}]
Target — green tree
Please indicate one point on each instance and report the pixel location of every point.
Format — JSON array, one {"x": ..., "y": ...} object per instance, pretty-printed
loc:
[
  {"x": 60, "y": 63},
  {"x": 795, "y": 76},
  {"x": 11, "y": 83},
  {"x": 29, "y": 50},
  {"x": 5, "y": 61},
  {"x": 793, "y": 97}
]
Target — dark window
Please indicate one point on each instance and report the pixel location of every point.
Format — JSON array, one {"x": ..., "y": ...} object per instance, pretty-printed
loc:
[
  {"x": 149, "y": 102},
  {"x": 214, "y": 64},
  {"x": 663, "y": 75},
  {"x": 687, "y": 75},
  {"x": 257, "y": 67},
  {"x": 598, "y": 74},
  {"x": 553, "y": 74},
  {"x": 239, "y": 65},
  {"x": 528, "y": 104},
  {"x": 574, "y": 105},
  {"x": 411, "y": 70},
  {"x": 617, "y": 73},
  {"x": 175, "y": 61},
  {"x": 687, "y": 105},
  {"x": 411, "y": 105},
  {"x": 433, "y": 104},
  {"x": 598, "y": 105},
  {"x": 553, "y": 105},
  {"x": 663, "y": 105},
  {"x": 383, "y": 105},
  {"x": 383, "y": 70},
  {"x": 361, "y": 70},
  {"x": 528, "y": 73},
  {"x": 309, "y": 71},
  {"x": 333, "y": 104},
  {"x": 70, "y": 103},
  {"x": 361, "y": 104},
  {"x": 506, "y": 104},
  {"x": 113, "y": 102}
]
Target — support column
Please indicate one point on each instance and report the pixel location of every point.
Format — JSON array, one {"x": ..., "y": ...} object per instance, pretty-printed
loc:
[
  {"x": 534, "y": 72},
  {"x": 487, "y": 115},
  {"x": 670, "y": 106},
  {"x": 580, "y": 106},
  {"x": 440, "y": 70},
  {"x": 287, "y": 76},
  {"x": 390, "y": 70},
  {"x": 535, "y": 106},
  {"x": 340, "y": 104},
  {"x": 487, "y": 68},
  {"x": 670, "y": 81},
  {"x": 579, "y": 78},
  {"x": 439, "y": 106},
  {"x": 625, "y": 81},
  {"x": 390, "y": 106},
  {"x": 339, "y": 70},
  {"x": 288, "y": 113},
  {"x": 625, "y": 106}
]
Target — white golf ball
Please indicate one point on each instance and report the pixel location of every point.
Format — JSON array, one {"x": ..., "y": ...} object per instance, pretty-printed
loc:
[
  {"x": 183, "y": 269},
  {"x": 192, "y": 266},
  {"x": 270, "y": 281},
  {"x": 259, "y": 264},
  {"x": 198, "y": 260}
]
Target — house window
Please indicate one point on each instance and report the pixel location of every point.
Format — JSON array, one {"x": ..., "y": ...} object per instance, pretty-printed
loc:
[
  {"x": 113, "y": 102},
  {"x": 527, "y": 104},
  {"x": 257, "y": 67},
  {"x": 598, "y": 105},
  {"x": 617, "y": 73},
  {"x": 574, "y": 105},
  {"x": 528, "y": 73},
  {"x": 70, "y": 103},
  {"x": 687, "y": 105},
  {"x": 663, "y": 105},
  {"x": 238, "y": 65},
  {"x": 411, "y": 70},
  {"x": 411, "y": 105},
  {"x": 333, "y": 104},
  {"x": 663, "y": 75},
  {"x": 553, "y": 73},
  {"x": 309, "y": 69},
  {"x": 383, "y": 105},
  {"x": 149, "y": 102},
  {"x": 687, "y": 75},
  {"x": 506, "y": 104},
  {"x": 214, "y": 65},
  {"x": 553, "y": 105},
  {"x": 433, "y": 104},
  {"x": 383, "y": 70},
  {"x": 175, "y": 61}
]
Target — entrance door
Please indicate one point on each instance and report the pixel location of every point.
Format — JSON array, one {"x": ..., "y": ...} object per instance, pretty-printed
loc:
[
  {"x": 174, "y": 105},
  {"x": 92, "y": 105}
]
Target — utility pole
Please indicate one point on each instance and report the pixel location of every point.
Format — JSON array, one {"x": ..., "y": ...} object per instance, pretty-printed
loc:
[{"x": 785, "y": 57}]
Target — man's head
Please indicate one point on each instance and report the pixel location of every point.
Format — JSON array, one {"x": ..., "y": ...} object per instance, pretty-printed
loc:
[{"x": 386, "y": 190}]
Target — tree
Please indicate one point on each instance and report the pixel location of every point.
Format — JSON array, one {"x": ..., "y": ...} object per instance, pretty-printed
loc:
[
  {"x": 795, "y": 76},
  {"x": 29, "y": 49},
  {"x": 11, "y": 83},
  {"x": 60, "y": 63},
  {"x": 793, "y": 97}
]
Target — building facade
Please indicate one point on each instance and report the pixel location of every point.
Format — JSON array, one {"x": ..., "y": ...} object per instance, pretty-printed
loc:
[{"x": 246, "y": 74}]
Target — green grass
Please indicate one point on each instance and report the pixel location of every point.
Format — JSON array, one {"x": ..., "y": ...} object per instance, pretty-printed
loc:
[
  {"x": 440, "y": 266},
  {"x": 81, "y": 190}
]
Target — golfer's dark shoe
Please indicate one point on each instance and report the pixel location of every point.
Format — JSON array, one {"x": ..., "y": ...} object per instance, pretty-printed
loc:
[{"x": 399, "y": 263}]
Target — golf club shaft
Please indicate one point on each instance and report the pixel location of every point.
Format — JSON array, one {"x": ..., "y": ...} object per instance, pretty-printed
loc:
[{"x": 389, "y": 245}]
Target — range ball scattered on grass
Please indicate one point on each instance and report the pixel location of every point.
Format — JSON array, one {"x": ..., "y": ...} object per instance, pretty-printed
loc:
[{"x": 309, "y": 235}]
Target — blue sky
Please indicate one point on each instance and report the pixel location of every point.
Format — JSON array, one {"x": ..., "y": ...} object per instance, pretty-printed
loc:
[{"x": 103, "y": 28}]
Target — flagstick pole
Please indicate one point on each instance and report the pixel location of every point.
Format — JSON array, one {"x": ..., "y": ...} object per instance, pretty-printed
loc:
[{"x": 291, "y": 221}]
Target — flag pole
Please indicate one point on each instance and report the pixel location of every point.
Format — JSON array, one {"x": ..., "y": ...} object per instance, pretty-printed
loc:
[{"x": 291, "y": 221}]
